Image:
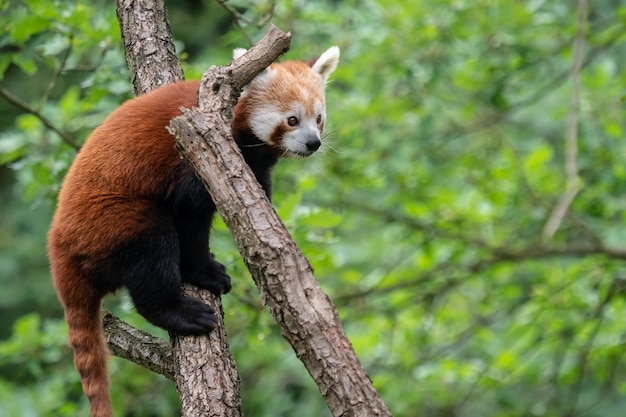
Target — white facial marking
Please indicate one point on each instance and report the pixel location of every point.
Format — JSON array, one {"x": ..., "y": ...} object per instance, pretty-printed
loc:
[
  {"x": 264, "y": 121},
  {"x": 295, "y": 142},
  {"x": 318, "y": 107},
  {"x": 305, "y": 95}
]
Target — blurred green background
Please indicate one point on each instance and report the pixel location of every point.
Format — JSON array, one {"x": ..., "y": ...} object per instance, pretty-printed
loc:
[{"x": 424, "y": 216}]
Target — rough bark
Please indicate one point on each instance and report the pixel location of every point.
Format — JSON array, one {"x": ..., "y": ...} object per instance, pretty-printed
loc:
[
  {"x": 151, "y": 58},
  {"x": 206, "y": 374},
  {"x": 148, "y": 47},
  {"x": 138, "y": 346},
  {"x": 285, "y": 279}
]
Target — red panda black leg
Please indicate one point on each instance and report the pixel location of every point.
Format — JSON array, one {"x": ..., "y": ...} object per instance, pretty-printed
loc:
[
  {"x": 152, "y": 276},
  {"x": 212, "y": 277},
  {"x": 198, "y": 265},
  {"x": 180, "y": 315},
  {"x": 169, "y": 309}
]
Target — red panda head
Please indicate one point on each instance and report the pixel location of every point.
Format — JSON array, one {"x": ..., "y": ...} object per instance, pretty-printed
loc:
[{"x": 284, "y": 106}]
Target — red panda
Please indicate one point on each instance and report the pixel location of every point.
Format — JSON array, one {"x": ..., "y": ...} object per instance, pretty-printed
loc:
[{"x": 132, "y": 213}]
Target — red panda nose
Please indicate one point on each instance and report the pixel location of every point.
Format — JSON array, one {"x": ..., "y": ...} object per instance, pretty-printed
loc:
[{"x": 313, "y": 143}]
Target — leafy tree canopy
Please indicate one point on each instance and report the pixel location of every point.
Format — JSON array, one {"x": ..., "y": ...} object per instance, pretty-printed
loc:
[{"x": 467, "y": 214}]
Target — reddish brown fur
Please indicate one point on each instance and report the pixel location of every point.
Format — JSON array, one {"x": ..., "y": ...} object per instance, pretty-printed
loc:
[
  {"x": 286, "y": 87},
  {"x": 78, "y": 226}
]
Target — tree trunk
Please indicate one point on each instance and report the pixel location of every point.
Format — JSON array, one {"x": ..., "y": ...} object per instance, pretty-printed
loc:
[
  {"x": 206, "y": 374},
  {"x": 205, "y": 371},
  {"x": 148, "y": 47}
]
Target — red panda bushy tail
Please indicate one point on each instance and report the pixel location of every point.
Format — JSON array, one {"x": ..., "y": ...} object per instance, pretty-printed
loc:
[{"x": 86, "y": 336}]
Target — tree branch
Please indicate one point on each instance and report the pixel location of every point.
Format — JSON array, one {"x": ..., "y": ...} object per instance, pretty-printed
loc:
[
  {"x": 284, "y": 277},
  {"x": 240, "y": 18},
  {"x": 20, "y": 104},
  {"x": 498, "y": 256},
  {"x": 206, "y": 373},
  {"x": 571, "y": 137},
  {"x": 194, "y": 355},
  {"x": 139, "y": 347}
]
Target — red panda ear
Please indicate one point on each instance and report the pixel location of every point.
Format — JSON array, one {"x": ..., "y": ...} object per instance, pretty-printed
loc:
[
  {"x": 238, "y": 52},
  {"x": 327, "y": 62}
]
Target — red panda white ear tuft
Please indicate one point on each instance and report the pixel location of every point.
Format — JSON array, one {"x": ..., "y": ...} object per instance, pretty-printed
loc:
[
  {"x": 327, "y": 62},
  {"x": 238, "y": 52}
]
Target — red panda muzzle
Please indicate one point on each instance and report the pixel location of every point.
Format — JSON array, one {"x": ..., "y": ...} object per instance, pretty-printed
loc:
[{"x": 313, "y": 143}]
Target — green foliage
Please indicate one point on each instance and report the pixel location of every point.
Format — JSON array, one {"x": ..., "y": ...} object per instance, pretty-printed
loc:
[
  {"x": 46, "y": 343},
  {"x": 73, "y": 54},
  {"x": 38, "y": 378},
  {"x": 423, "y": 217}
]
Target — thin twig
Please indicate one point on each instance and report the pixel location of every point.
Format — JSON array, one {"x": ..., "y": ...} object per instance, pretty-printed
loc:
[
  {"x": 21, "y": 104},
  {"x": 240, "y": 18},
  {"x": 58, "y": 70},
  {"x": 94, "y": 66},
  {"x": 571, "y": 139},
  {"x": 498, "y": 256}
]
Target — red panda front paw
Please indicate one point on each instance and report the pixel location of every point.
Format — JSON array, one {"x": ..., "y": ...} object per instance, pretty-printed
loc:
[
  {"x": 183, "y": 316},
  {"x": 212, "y": 277},
  {"x": 218, "y": 279},
  {"x": 194, "y": 318}
]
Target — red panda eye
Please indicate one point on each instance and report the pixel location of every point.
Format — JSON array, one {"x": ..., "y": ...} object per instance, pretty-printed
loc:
[
  {"x": 292, "y": 121},
  {"x": 319, "y": 118}
]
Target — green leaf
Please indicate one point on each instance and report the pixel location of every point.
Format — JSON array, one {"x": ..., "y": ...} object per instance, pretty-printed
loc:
[
  {"x": 319, "y": 218},
  {"x": 32, "y": 24},
  {"x": 54, "y": 45},
  {"x": 12, "y": 147}
]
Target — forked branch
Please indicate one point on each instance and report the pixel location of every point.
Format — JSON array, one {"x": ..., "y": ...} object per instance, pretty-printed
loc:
[{"x": 572, "y": 181}]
